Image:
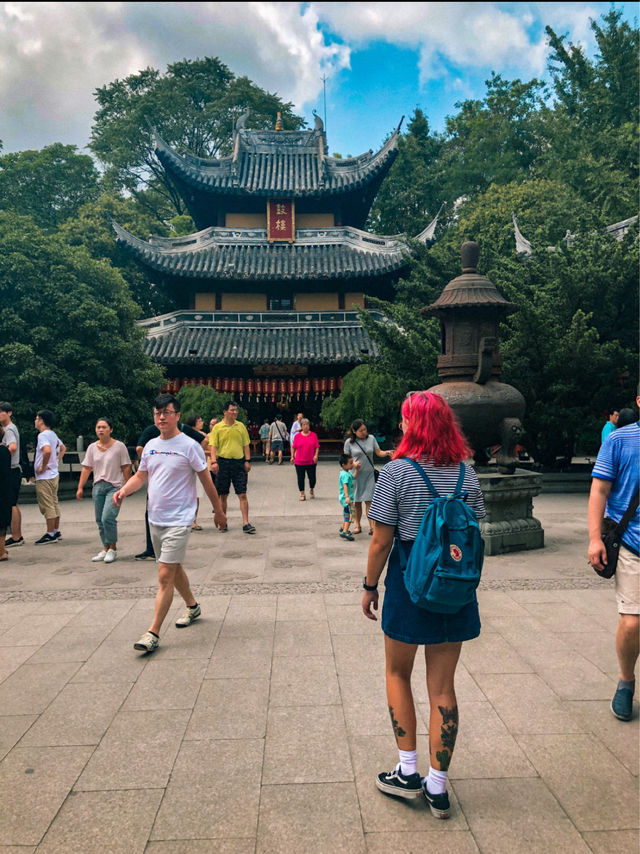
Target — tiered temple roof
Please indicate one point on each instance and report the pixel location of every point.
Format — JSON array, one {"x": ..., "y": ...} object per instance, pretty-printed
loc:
[
  {"x": 318, "y": 254},
  {"x": 253, "y": 338}
]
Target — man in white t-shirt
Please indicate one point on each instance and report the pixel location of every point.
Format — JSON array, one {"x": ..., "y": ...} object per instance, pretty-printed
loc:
[
  {"x": 49, "y": 453},
  {"x": 170, "y": 465}
]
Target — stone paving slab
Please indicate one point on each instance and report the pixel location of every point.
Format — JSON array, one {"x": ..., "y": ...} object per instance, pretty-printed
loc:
[{"x": 260, "y": 728}]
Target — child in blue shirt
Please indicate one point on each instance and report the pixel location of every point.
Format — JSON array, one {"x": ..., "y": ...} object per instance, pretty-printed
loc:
[{"x": 349, "y": 472}]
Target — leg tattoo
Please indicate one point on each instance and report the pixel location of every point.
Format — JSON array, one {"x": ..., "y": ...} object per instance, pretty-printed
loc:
[
  {"x": 448, "y": 733},
  {"x": 397, "y": 729}
]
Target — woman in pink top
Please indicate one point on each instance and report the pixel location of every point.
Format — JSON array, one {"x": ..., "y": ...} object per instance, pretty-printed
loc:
[
  {"x": 110, "y": 463},
  {"x": 304, "y": 456}
]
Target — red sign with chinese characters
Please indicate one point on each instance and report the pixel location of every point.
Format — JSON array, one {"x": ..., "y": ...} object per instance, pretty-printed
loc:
[{"x": 281, "y": 220}]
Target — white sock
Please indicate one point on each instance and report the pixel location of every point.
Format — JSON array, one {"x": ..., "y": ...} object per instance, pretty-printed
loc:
[
  {"x": 408, "y": 761},
  {"x": 436, "y": 781}
]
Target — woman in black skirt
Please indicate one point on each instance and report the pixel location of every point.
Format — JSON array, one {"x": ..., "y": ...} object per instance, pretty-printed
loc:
[
  {"x": 433, "y": 439},
  {"x": 5, "y": 495}
]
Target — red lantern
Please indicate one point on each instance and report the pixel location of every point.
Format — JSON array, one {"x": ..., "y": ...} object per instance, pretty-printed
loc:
[
  {"x": 323, "y": 385},
  {"x": 185, "y": 381},
  {"x": 233, "y": 388},
  {"x": 315, "y": 382},
  {"x": 226, "y": 386},
  {"x": 250, "y": 388},
  {"x": 241, "y": 386},
  {"x": 273, "y": 388},
  {"x": 291, "y": 387},
  {"x": 306, "y": 386},
  {"x": 217, "y": 385},
  {"x": 210, "y": 382},
  {"x": 200, "y": 380},
  {"x": 298, "y": 388},
  {"x": 332, "y": 385},
  {"x": 282, "y": 387},
  {"x": 339, "y": 383},
  {"x": 259, "y": 388}
]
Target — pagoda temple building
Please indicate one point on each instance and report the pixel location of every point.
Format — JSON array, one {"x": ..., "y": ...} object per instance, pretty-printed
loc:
[{"x": 268, "y": 287}]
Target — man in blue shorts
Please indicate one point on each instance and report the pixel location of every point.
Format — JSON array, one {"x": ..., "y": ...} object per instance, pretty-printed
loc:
[{"x": 616, "y": 481}]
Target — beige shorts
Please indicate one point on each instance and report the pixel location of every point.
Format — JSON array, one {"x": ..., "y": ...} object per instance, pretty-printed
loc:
[
  {"x": 47, "y": 495},
  {"x": 628, "y": 582},
  {"x": 170, "y": 543}
]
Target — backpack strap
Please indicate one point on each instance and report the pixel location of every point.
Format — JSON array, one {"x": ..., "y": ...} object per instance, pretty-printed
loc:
[
  {"x": 424, "y": 476},
  {"x": 432, "y": 488}
]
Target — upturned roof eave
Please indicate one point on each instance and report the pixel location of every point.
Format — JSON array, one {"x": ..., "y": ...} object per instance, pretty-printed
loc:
[{"x": 335, "y": 176}]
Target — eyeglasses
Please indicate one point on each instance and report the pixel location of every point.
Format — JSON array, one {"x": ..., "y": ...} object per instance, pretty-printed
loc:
[{"x": 158, "y": 412}]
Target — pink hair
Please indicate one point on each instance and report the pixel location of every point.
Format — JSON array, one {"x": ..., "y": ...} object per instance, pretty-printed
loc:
[{"x": 432, "y": 431}]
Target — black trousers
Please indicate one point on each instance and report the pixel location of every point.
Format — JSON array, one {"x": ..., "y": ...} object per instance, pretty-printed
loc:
[{"x": 310, "y": 471}]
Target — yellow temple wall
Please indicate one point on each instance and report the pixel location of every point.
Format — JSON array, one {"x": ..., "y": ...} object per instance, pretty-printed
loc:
[
  {"x": 245, "y": 220},
  {"x": 315, "y": 220},
  {"x": 244, "y": 302},
  {"x": 351, "y": 299},
  {"x": 316, "y": 302},
  {"x": 205, "y": 302}
]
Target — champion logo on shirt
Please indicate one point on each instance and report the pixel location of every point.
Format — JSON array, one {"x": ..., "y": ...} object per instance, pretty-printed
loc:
[{"x": 166, "y": 453}]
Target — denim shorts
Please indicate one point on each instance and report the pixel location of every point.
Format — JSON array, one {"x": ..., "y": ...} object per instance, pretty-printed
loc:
[{"x": 406, "y": 622}]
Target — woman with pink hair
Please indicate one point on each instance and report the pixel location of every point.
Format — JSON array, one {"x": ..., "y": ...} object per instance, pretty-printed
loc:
[{"x": 433, "y": 439}]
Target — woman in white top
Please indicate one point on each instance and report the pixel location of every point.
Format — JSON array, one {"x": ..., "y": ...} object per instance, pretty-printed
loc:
[{"x": 110, "y": 463}]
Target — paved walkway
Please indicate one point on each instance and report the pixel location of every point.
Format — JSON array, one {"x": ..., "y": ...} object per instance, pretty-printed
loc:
[{"x": 260, "y": 727}]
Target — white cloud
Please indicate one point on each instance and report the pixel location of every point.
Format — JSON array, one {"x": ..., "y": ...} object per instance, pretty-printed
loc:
[
  {"x": 54, "y": 55},
  {"x": 469, "y": 35}
]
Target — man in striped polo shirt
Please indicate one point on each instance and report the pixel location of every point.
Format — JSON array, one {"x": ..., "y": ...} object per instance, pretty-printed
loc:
[{"x": 616, "y": 481}]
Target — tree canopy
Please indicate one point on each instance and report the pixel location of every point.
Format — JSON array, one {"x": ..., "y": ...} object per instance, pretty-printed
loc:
[
  {"x": 50, "y": 185},
  {"x": 193, "y": 106},
  {"x": 67, "y": 336}
]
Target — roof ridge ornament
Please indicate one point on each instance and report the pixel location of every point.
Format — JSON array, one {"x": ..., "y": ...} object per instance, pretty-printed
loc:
[
  {"x": 523, "y": 246},
  {"x": 319, "y": 124},
  {"x": 279, "y": 125},
  {"x": 427, "y": 235}
]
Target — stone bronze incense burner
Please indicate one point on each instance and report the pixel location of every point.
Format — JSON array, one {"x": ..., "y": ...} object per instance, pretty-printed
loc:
[{"x": 489, "y": 411}]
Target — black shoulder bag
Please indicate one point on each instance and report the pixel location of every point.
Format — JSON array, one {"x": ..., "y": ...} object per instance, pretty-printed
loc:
[
  {"x": 376, "y": 473},
  {"x": 612, "y": 538}
]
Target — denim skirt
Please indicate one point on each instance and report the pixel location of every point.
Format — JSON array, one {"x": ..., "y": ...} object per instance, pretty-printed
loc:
[{"x": 406, "y": 622}]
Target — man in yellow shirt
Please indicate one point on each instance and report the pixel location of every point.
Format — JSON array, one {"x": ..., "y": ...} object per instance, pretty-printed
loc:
[{"x": 230, "y": 450}]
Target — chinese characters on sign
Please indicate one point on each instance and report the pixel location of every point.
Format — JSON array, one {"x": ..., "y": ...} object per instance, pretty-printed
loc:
[{"x": 280, "y": 221}]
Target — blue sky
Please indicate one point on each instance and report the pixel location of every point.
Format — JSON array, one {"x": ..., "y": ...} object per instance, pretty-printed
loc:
[{"x": 381, "y": 60}]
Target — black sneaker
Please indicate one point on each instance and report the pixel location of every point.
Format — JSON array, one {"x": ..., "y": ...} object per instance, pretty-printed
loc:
[
  {"x": 395, "y": 783},
  {"x": 438, "y": 804},
  {"x": 145, "y": 556},
  {"x": 11, "y": 542},
  {"x": 45, "y": 539},
  {"x": 57, "y": 535},
  {"x": 248, "y": 528}
]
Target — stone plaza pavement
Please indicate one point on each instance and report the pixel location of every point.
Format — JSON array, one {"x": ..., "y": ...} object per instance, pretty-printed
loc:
[{"x": 260, "y": 728}]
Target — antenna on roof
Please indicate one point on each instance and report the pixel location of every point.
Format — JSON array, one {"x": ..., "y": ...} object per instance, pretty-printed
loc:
[{"x": 324, "y": 95}]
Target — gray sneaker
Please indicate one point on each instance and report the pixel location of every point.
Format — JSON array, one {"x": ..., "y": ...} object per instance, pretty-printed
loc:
[
  {"x": 188, "y": 616},
  {"x": 147, "y": 643}
]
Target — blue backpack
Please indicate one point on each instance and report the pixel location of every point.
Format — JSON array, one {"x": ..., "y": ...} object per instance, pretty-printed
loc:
[{"x": 445, "y": 563}]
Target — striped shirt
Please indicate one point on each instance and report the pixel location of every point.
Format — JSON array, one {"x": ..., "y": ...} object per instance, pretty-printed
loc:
[
  {"x": 619, "y": 462},
  {"x": 401, "y": 496}
]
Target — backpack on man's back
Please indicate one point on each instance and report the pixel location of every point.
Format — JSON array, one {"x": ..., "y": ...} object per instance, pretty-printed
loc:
[{"x": 445, "y": 564}]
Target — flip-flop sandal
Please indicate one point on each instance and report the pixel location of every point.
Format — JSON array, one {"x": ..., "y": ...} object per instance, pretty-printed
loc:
[
  {"x": 359, "y": 531},
  {"x": 303, "y": 498}
]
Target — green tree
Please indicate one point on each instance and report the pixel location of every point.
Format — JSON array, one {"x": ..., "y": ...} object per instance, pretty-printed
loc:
[
  {"x": 50, "y": 184},
  {"x": 411, "y": 196},
  {"x": 203, "y": 400},
  {"x": 592, "y": 128},
  {"x": 494, "y": 140},
  {"x": 193, "y": 106},
  {"x": 368, "y": 393},
  {"x": 92, "y": 228},
  {"x": 68, "y": 339}
]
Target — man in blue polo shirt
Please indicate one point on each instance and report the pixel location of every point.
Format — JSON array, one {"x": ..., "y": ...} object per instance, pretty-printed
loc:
[{"x": 616, "y": 481}]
